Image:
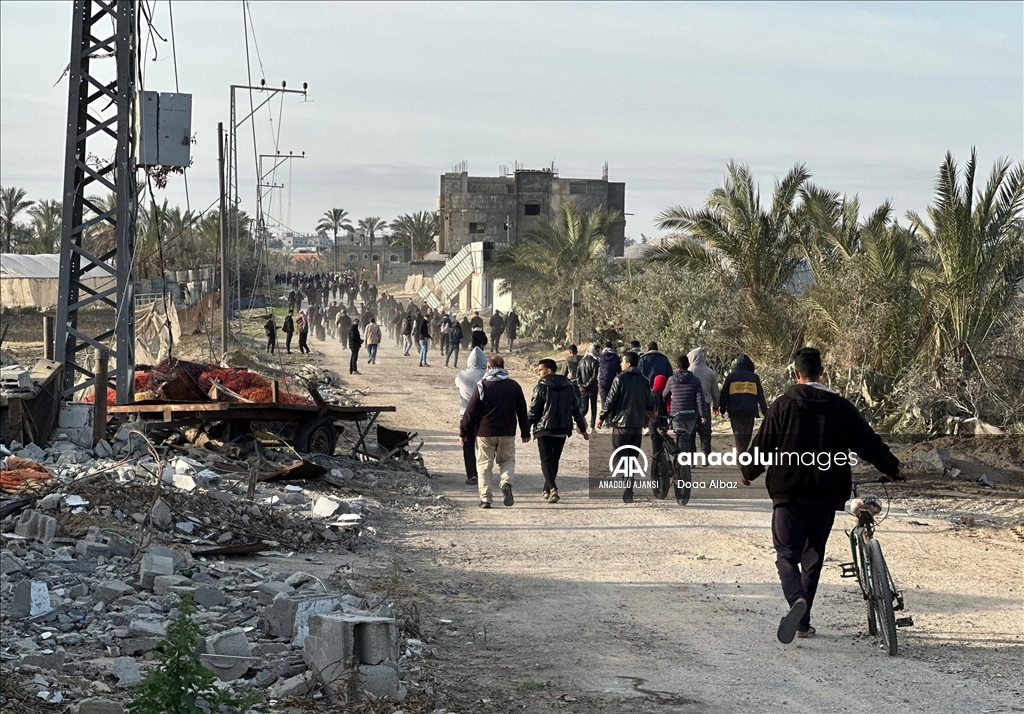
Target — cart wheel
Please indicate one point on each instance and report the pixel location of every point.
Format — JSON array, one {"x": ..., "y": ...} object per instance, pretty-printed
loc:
[{"x": 317, "y": 436}]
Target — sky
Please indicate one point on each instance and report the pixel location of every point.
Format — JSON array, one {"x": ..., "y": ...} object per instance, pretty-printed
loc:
[{"x": 869, "y": 96}]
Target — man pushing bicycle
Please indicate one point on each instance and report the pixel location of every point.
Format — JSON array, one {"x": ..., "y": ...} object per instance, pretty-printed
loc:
[{"x": 807, "y": 437}]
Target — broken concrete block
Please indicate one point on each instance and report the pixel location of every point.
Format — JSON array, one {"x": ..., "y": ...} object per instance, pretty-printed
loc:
[
  {"x": 45, "y": 659},
  {"x": 50, "y": 502},
  {"x": 382, "y": 680},
  {"x": 147, "y": 628},
  {"x": 226, "y": 667},
  {"x": 32, "y": 524},
  {"x": 91, "y": 549},
  {"x": 177, "y": 556},
  {"x": 9, "y": 563},
  {"x": 325, "y": 507},
  {"x": 162, "y": 584},
  {"x": 288, "y": 615},
  {"x": 99, "y": 705},
  {"x": 152, "y": 566},
  {"x": 230, "y": 642},
  {"x": 31, "y": 598},
  {"x": 103, "y": 449},
  {"x": 297, "y": 686},
  {"x": 209, "y": 597},
  {"x": 160, "y": 514},
  {"x": 371, "y": 640},
  {"x": 184, "y": 481},
  {"x": 126, "y": 669},
  {"x": 32, "y": 452},
  {"x": 266, "y": 592},
  {"x": 110, "y": 590},
  {"x": 138, "y": 645}
]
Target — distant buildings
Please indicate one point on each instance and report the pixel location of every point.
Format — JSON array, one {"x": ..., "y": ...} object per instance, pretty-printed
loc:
[{"x": 504, "y": 208}]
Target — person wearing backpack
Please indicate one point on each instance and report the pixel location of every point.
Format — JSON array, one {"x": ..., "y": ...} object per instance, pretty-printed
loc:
[{"x": 454, "y": 342}]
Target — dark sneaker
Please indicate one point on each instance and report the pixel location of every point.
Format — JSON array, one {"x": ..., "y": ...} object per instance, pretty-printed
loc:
[
  {"x": 553, "y": 498},
  {"x": 485, "y": 504},
  {"x": 789, "y": 624},
  {"x": 507, "y": 490},
  {"x": 627, "y": 496},
  {"x": 470, "y": 481}
]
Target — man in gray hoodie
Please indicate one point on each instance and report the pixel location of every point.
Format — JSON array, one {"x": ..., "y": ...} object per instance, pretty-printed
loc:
[
  {"x": 709, "y": 380},
  {"x": 467, "y": 380}
]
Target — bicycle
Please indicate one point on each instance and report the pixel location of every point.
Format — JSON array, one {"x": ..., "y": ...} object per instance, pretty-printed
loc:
[
  {"x": 668, "y": 458},
  {"x": 879, "y": 589}
]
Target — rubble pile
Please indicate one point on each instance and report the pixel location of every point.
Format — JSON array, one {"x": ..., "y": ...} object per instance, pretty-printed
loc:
[{"x": 96, "y": 556}]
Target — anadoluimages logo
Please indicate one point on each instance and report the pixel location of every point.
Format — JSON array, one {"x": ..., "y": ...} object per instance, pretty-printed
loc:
[{"x": 628, "y": 463}]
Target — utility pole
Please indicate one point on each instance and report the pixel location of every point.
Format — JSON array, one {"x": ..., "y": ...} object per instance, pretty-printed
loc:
[
  {"x": 101, "y": 106},
  {"x": 225, "y": 298},
  {"x": 232, "y": 164},
  {"x": 262, "y": 191}
]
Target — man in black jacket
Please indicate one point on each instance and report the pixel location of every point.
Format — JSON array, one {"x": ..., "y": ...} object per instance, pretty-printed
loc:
[
  {"x": 586, "y": 380},
  {"x": 807, "y": 435},
  {"x": 741, "y": 397},
  {"x": 492, "y": 414},
  {"x": 288, "y": 328},
  {"x": 555, "y": 405},
  {"x": 628, "y": 407},
  {"x": 355, "y": 341},
  {"x": 497, "y": 324},
  {"x": 609, "y": 366}
]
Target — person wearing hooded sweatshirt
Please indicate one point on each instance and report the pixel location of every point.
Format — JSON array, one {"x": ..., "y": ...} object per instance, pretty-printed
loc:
[
  {"x": 495, "y": 408},
  {"x": 685, "y": 404},
  {"x": 586, "y": 380},
  {"x": 467, "y": 380},
  {"x": 810, "y": 419},
  {"x": 555, "y": 405},
  {"x": 628, "y": 409},
  {"x": 741, "y": 397},
  {"x": 709, "y": 380},
  {"x": 303, "y": 332},
  {"x": 609, "y": 366}
]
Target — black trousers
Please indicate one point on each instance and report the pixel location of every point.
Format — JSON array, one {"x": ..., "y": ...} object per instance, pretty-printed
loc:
[
  {"x": 303, "y": 347},
  {"x": 550, "y": 448},
  {"x": 353, "y": 363},
  {"x": 742, "y": 429},
  {"x": 704, "y": 429},
  {"x": 622, "y": 437},
  {"x": 800, "y": 532},
  {"x": 590, "y": 405},
  {"x": 288, "y": 342},
  {"x": 469, "y": 457},
  {"x": 496, "y": 341},
  {"x": 271, "y": 343}
]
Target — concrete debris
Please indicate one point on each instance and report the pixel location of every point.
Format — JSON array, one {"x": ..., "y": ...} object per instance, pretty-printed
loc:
[{"x": 91, "y": 573}]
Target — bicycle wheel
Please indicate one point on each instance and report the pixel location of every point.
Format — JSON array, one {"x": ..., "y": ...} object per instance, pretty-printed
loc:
[
  {"x": 864, "y": 579},
  {"x": 682, "y": 473},
  {"x": 883, "y": 597},
  {"x": 666, "y": 473}
]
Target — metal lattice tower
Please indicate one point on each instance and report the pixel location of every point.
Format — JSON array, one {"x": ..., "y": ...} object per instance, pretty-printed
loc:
[{"x": 100, "y": 109}]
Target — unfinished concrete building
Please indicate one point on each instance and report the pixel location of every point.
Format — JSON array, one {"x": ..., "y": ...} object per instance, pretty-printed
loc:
[{"x": 504, "y": 208}]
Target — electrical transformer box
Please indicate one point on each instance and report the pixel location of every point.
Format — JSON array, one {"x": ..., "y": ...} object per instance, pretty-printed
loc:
[{"x": 163, "y": 129}]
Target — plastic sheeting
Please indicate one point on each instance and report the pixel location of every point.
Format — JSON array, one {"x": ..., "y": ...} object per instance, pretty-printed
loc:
[
  {"x": 33, "y": 280},
  {"x": 152, "y": 339}
]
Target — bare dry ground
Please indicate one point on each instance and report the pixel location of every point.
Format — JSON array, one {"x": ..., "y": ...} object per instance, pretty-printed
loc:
[{"x": 597, "y": 606}]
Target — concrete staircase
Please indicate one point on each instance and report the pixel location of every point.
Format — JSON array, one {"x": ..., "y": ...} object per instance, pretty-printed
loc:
[{"x": 453, "y": 276}]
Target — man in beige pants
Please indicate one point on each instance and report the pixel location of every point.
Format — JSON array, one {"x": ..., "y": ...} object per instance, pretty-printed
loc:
[{"x": 493, "y": 412}]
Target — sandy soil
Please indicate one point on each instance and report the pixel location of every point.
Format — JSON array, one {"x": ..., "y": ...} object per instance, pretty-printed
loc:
[{"x": 597, "y": 606}]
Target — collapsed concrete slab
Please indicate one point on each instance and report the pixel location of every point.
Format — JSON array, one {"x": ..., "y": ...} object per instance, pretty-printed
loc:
[{"x": 289, "y": 614}]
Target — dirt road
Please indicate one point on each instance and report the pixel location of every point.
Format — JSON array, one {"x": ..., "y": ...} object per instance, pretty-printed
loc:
[{"x": 655, "y": 607}]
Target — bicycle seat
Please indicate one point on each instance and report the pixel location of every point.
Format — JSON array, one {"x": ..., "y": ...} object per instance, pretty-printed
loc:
[{"x": 871, "y": 504}]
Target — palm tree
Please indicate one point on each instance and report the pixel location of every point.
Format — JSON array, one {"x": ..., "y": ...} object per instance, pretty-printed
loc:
[
  {"x": 416, "y": 230},
  {"x": 557, "y": 255},
  {"x": 370, "y": 226},
  {"x": 12, "y": 203},
  {"x": 977, "y": 243},
  {"x": 753, "y": 249},
  {"x": 47, "y": 217},
  {"x": 334, "y": 220}
]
